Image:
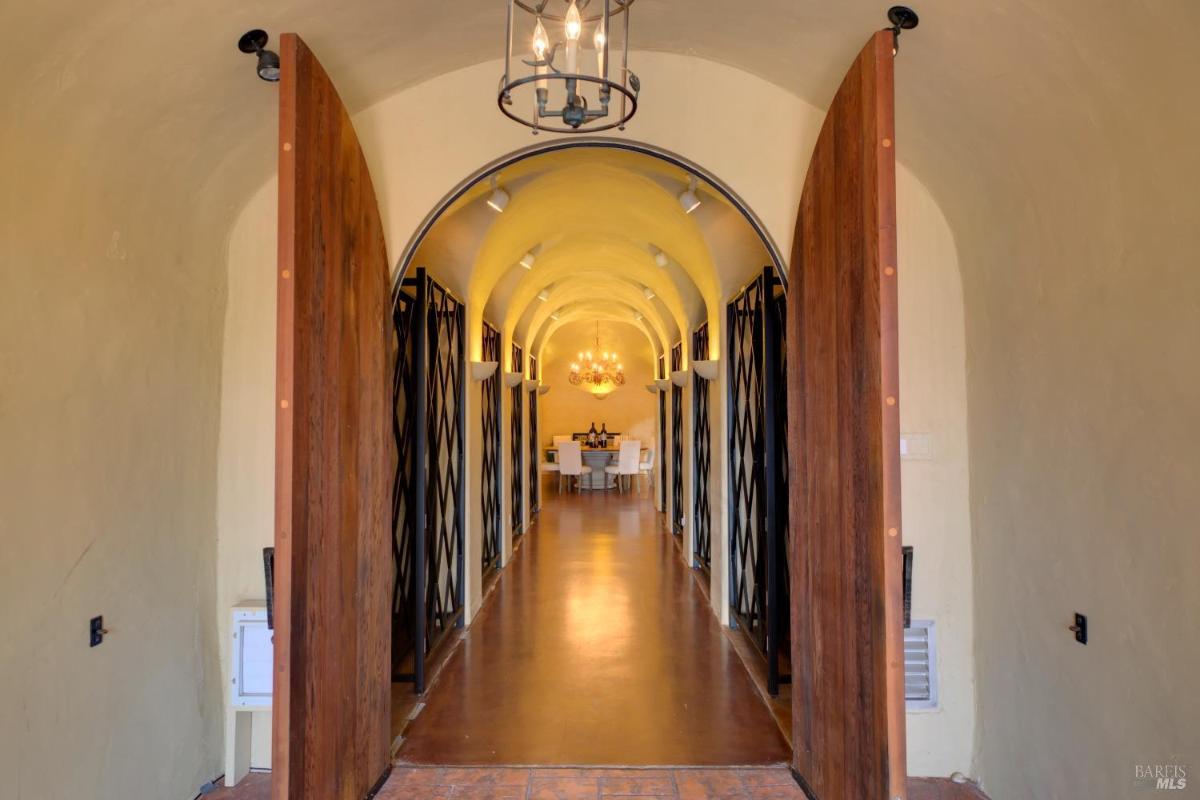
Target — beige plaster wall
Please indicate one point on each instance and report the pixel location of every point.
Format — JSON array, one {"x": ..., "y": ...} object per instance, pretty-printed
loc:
[
  {"x": 110, "y": 351},
  {"x": 422, "y": 141}
]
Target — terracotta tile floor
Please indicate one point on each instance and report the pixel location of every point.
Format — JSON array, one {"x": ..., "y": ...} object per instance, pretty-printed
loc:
[{"x": 694, "y": 783}]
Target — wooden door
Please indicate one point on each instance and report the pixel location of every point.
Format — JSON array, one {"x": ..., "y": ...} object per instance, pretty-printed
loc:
[
  {"x": 844, "y": 450},
  {"x": 334, "y": 452}
]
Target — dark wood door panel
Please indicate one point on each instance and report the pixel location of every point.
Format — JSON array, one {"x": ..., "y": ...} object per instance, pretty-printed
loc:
[
  {"x": 843, "y": 440},
  {"x": 334, "y": 452}
]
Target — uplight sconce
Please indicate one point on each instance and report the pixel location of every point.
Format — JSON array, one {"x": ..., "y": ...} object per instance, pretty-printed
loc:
[
  {"x": 679, "y": 377},
  {"x": 482, "y": 370},
  {"x": 663, "y": 384},
  {"x": 544, "y": 389},
  {"x": 652, "y": 388},
  {"x": 513, "y": 379},
  {"x": 706, "y": 369},
  {"x": 531, "y": 384}
]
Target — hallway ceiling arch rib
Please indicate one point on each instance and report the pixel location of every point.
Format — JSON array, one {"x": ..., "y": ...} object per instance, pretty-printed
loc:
[
  {"x": 595, "y": 282},
  {"x": 613, "y": 295}
]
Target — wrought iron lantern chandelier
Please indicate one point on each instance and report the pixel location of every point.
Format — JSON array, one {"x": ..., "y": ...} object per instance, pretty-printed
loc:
[
  {"x": 598, "y": 369},
  {"x": 565, "y": 79}
]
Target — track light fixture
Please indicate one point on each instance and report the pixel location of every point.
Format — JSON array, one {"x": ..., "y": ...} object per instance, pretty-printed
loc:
[
  {"x": 255, "y": 41},
  {"x": 498, "y": 200},
  {"x": 688, "y": 197},
  {"x": 527, "y": 260}
]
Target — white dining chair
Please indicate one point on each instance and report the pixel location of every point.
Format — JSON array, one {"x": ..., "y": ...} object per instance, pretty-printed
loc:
[
  {"x": 626, "y": 467},
  {"x": 646, "y": 467},
  {"x": 570, "y": 464}
]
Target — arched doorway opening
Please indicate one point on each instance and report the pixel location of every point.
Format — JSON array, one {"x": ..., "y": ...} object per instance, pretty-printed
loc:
[{"x": 539, "y": 248}]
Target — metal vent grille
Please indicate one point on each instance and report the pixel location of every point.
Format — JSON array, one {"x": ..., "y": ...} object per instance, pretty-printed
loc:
[{"x": 920, "y": 665}]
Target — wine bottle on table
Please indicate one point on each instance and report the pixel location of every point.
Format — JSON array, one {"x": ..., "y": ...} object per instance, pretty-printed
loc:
[
  {"x": 603, "y": 435},
  {"x": 591, "y": 439}
]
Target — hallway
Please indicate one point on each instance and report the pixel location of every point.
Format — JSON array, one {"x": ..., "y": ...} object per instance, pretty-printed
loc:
[{"x": 595, "y": 648}]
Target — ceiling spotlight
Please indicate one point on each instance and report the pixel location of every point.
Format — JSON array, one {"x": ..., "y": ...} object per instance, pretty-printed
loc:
[
  {"x": 661, "y": 259},
  {"x": 499, "y": 199},
  {"x": 544, "y": 295},
  {"x": 255, "y": 41},
  {"x": 646, "y": 290},
  {"x": 638, "y": 316},
  {"x": 527, "y": 261},
  {"x": 555, "y": 316},
  {"x": 688, "y": 197}
]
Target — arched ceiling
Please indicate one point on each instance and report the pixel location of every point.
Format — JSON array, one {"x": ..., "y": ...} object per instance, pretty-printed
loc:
[{"x": 607, "y": 231}]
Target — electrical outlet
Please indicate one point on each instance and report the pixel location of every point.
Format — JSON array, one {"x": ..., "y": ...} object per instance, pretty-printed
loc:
[{"x": 96, "y": 631}]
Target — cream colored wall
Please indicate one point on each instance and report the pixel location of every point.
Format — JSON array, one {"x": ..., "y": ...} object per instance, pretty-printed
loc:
[
  {"x": 110, "y": 351},
  {"x": 420, "y": 142},
  {"x": 567, "y": 409}
]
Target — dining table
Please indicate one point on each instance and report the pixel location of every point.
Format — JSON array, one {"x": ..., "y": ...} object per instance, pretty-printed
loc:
[{"x": 597, "y": 458}]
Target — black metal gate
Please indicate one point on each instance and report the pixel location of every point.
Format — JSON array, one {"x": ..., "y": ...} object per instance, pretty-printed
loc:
[
  {"x": 427, "y": 510},
  {"x": 662, "y": 437},
  {"x": 517, "y": 497},
  {"x": 534, "y": 461},
  {"x": 677, "y": 511},
  {"x": 493, "y": 527},
  {"x": 758, "y": 471},
  {"x": 701, "y": 456}
]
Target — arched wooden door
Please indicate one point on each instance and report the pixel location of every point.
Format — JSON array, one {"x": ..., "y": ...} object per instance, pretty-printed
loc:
[
  {"x": 844, "y": 450},
  {"x": 334, "y": 452}
]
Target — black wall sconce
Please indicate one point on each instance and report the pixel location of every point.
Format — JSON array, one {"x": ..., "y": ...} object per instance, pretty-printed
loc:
[{"x": 255, "y": 42}]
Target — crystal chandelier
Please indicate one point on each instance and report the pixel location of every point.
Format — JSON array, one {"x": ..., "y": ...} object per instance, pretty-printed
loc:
[
  {"x": 599, "y": 371},
  {"x": 566, "y": 80}
]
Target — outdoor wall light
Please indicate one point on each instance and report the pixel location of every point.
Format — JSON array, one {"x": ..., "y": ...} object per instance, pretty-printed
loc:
[
  {"x": 498, "y": 201},
  {"x": 482, "y": 370},
  {"x": 688, "y": 197},
  {"x": 255, "y": 41}
]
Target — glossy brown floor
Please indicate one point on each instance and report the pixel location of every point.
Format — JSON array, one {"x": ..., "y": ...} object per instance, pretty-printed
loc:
[{"x": 596, "y": 648}]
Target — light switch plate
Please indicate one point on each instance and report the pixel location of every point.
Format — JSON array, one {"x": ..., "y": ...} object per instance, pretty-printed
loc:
[{"x": 916, "y": 446}]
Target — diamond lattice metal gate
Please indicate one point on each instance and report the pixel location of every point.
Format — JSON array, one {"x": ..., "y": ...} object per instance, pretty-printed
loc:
[
  {"x": 662, "y": 436},
  {"x": 701, "y": 456},
  {"x": 757, "y": 416},
  {"x": 534, "y": 460},
  {"x": 427, "y": 518},
  {"x": 678, "y": 514},
  {"x": 517, "y": 495},
  {"x": 490, "y": 485}
]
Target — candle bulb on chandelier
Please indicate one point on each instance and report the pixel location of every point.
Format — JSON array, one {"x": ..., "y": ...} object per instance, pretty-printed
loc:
[{"x": 573, "y": 30}]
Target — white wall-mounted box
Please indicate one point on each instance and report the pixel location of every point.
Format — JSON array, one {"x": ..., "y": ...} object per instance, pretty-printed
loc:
[{"x": 252, "y": 659}]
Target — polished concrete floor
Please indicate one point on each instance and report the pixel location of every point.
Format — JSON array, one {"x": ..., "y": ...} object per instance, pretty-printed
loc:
[{"x": 595, "y": 648}]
